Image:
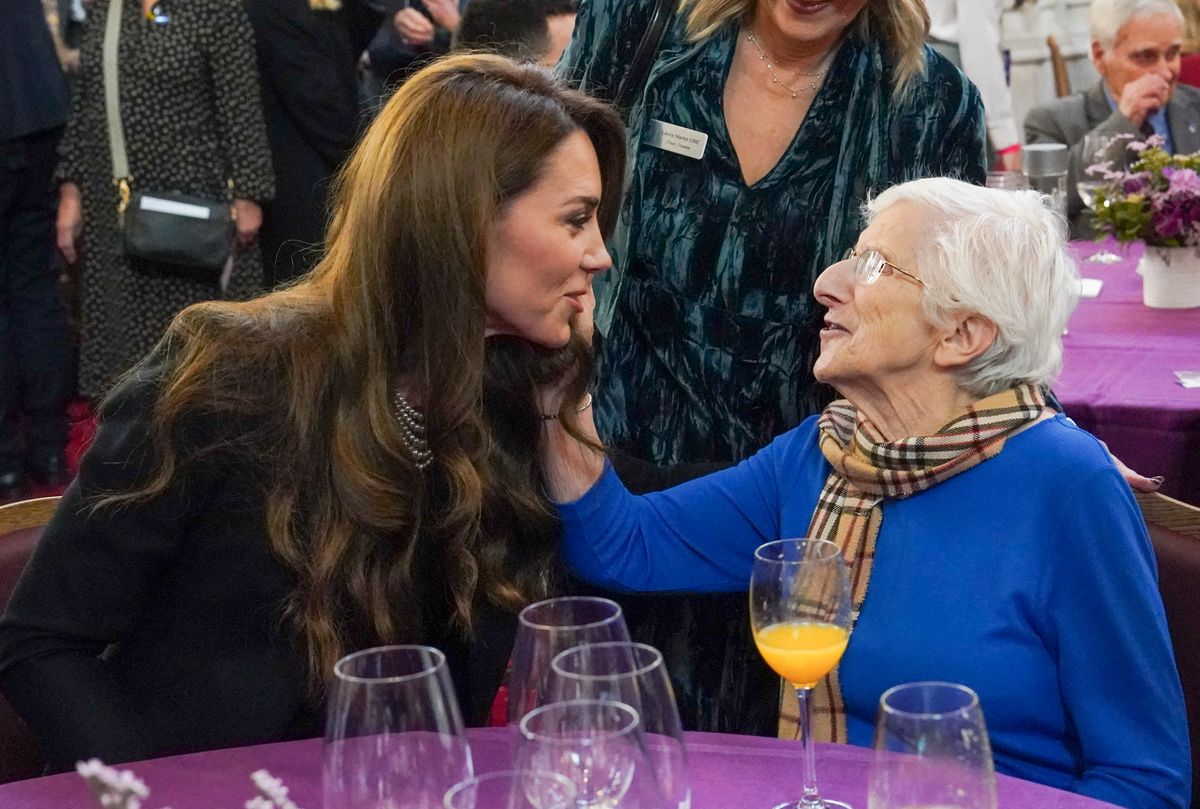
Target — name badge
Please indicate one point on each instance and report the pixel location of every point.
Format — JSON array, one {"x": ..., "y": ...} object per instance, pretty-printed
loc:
[{"x": 677, "y": 139}]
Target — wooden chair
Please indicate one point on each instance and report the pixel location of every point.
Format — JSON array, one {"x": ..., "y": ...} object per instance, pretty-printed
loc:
[
  {"x": 1175, "y": 532},
  {"x": 1062, "y": 79},
  {"x": 21, "y": 526}
]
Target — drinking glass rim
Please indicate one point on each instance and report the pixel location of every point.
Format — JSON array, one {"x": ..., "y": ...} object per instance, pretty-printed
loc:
[
  {"x": 439, "y": 663},
  {"x": 593, "y": 599},
  {"x": 636, "y": 672},
  {"x": 476, "y": 780},
  {"x": 972, "y": 703},
  {"x": 627, "y": 729},
  {"x": 829, "y": 546}
]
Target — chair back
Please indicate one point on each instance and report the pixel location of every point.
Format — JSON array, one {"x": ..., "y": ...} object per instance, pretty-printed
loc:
[
  {"x": 1062, "y": 79},
  {"x": 1175, "y": 532},
  {"x": 21, "y": 526}
]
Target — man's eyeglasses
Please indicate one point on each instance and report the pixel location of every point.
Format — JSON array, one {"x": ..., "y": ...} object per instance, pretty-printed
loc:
[{"x": 870, "y": 264}]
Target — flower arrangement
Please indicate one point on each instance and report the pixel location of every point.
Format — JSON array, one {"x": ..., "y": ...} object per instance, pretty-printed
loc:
[
  {"x": 1155, "y": 200},
  {"x": 121, "y": 789}
]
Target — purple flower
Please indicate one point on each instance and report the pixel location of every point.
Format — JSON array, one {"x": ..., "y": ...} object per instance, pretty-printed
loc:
[{"x": 1182, "y": 181}]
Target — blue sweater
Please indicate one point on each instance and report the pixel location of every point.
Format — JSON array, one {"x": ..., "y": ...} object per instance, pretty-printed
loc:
[{"x": 1029, "y": 578}]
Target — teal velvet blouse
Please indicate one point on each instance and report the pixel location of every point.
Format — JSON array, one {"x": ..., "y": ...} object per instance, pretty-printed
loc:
[{"x": 711, "y": 328}]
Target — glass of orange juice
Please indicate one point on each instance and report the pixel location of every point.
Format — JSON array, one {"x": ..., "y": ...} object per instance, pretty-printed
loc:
[{"x": 800, "y": 614}]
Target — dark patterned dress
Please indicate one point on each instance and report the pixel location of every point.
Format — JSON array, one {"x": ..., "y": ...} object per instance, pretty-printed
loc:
[
  {"x": 711, "y": 325},
  {"x": 193, "y": 121}
]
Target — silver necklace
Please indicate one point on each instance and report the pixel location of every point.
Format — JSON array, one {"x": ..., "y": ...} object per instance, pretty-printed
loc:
[
  {"x": 793, "y": 91},
  {"x": 412, "y": 431}
]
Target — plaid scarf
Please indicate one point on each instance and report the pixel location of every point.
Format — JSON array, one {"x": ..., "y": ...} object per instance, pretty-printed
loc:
[{"x": 867, "y": 469}]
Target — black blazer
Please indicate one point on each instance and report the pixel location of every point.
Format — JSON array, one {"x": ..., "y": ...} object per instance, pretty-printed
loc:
[
  {"x": 33, "y": 92},
  {"x": 155, "y": 629}
]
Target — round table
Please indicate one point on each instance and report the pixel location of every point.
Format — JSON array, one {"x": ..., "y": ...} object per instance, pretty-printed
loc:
[
  {"x": 1118, "y": 378},
  {"x": 727, "y": 772}
]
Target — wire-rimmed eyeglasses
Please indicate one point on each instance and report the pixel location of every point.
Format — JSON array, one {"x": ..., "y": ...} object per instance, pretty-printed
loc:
[{"x": 870, "y": 264}]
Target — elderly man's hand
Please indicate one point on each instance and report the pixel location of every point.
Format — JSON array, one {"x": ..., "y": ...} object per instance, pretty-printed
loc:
[
  {"x": 413, "y": 27},
  {"x": 1144, "y": 95}
]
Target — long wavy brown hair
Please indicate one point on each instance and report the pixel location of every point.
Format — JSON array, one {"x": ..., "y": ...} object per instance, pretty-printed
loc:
[{"x": 298, "y": 385}]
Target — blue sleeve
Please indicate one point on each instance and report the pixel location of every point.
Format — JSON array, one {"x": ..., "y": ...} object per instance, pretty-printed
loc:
[
  {"x": 1117, "y": 671},
  {"x": 696, "y": 537}
]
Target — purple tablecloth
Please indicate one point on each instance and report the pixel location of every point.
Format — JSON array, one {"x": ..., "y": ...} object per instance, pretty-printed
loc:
[
  {"x": 727, "y": 772},
  {"x": 1118, "y": 379}
]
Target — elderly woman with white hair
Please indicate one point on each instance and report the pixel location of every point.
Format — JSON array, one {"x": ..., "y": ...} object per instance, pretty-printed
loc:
[{"x": 1002, "y": 548}]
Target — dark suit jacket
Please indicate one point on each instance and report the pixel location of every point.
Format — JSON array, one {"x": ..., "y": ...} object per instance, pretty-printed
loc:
[
  {"x": 1067, "y": 120},
  {"x": 308, "y": 63},
  {"x": 155, "y": 629},
  {"x": 33, "y": 90}
]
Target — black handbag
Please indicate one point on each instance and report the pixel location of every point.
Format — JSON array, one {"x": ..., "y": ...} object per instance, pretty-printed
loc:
[{"x": 163, "y": 233}]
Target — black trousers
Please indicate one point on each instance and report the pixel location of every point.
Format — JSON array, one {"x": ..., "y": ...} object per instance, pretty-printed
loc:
[{"x": 35, "y": 356}]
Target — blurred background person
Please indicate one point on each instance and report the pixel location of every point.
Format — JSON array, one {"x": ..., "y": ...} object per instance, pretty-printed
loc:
[
  {"x": 308, "y": 52},
  {"x": 35, "y": 359},
  {"x": 524, "y": 30},
  {"x": 967, "y": 32},
  {"x": 414, "y": 33},
  {"x": 1136, "y": 47},
  {"x": 192, "y": 115}
]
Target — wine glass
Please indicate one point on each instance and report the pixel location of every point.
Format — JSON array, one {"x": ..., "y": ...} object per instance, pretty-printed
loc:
[
  {"x": 512, "y": 789},
  {"x": 1100, "y": 150},
  {"x": 548, "y": 627},
  {"x": 931, "y": 749},
  {"x": 593, "y": 743},
  {"x": 635, "y": 674},
  {"x": 800, "y": 614},
  {"x": 394, "y": 735}
]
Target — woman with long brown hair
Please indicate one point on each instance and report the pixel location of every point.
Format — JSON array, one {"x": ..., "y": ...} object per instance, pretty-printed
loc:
[{"x": 343, "y": 463}]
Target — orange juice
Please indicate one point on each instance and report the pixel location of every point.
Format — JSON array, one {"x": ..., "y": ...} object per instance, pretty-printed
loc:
[{"x": 802, "y": 652}]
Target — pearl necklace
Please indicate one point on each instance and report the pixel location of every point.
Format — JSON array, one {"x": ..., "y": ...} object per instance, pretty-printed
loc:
[
  {"x": 412, "y": 431},
  {"x": 792, "y": 91}
]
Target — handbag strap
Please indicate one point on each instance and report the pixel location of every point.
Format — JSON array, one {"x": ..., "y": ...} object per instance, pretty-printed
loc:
[
  {"x": 639, "y": 66},
  {"x": 112, "y": 104}
]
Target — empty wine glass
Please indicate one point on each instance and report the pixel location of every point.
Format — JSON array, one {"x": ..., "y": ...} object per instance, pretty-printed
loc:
[
  {"x": 931, "y": 749},
  {"x": 1100, "y": 152},
  {"x": 512, "y": 789},
  {"x": 548, "y": 627},
  {"x": 394, "y": 735},
  {"x": 593, "y": 743},
  {"x": 800, "y": 614},
  {"x": 633, "y": 673}
]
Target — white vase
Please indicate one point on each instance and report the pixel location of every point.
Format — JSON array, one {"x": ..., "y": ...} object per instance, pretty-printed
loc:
[{"x": 1170, "y": 277}]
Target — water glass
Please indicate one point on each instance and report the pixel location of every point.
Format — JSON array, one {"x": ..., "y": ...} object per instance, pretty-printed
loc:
[
  {"x": 548, "y": 627},
  {"x": 931, "y": 749},
  {"x": 635, "y": 674},
  {"x": 593, "y": 743},
  {"x": 512, "y": 789},
  {"x": 394, "y": 735}
]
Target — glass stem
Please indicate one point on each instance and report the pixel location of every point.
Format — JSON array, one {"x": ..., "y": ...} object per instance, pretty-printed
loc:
[{"x": 811, "y": 799}]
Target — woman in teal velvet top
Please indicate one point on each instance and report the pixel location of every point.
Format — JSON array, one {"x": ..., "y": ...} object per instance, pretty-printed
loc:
[{"x": 807, "y": 107}]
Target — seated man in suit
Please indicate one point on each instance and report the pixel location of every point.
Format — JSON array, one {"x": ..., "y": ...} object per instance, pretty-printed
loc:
[{"x": 1136, "y": 48}]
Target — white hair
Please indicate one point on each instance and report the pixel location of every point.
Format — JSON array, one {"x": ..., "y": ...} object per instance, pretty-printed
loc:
[
  {"x": 1003, "y": 255},
  {"x": 1108, "y": 16}
]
